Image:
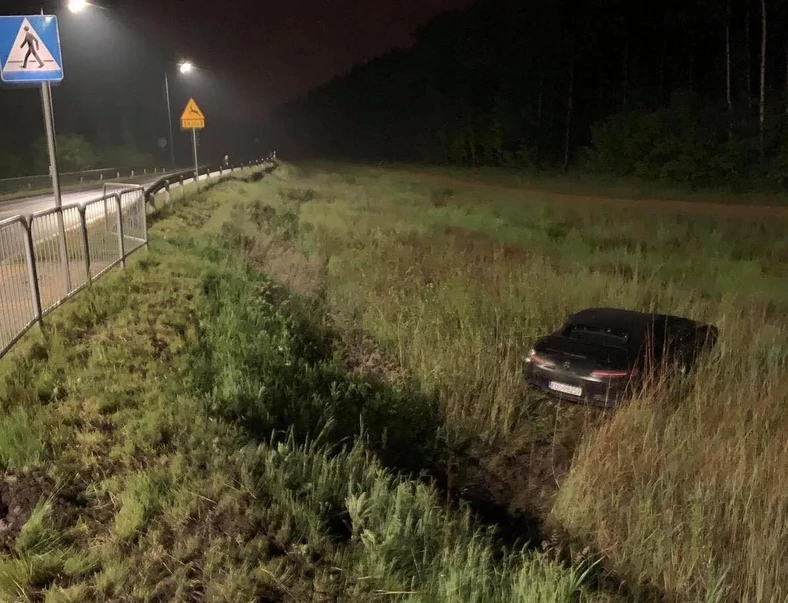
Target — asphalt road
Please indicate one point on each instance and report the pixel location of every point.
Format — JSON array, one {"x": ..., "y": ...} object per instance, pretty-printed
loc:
[
  {"x": 47, "y": 227},
  {"x": 31, "y": 205}
]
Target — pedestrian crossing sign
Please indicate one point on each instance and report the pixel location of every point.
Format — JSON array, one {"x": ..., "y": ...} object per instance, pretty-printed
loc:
[
  {"x": 193, "y": 118},
  {"x": 30, "y": 50}
]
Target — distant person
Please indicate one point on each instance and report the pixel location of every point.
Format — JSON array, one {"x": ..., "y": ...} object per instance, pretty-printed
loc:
[
  {"x": 32, "y": 48},
  {"x": 226, "y": 161}
]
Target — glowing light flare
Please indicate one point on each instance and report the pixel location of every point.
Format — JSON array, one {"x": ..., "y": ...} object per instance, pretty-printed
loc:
[{"x": 77, "y": 6}]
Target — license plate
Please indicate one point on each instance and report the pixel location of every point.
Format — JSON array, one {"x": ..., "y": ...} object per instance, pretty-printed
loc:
[{"x": 563, "y": 388}]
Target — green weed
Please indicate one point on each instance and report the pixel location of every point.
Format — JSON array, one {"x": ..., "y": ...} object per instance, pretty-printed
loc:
[
  {"x": 682, "y": 492},
  {"x": 22, "y": 443},
  {"x": 220, "y": 450}
]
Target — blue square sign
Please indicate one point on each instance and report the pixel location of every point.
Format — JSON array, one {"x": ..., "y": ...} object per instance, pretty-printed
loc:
[{"x": 30, "y": 50}]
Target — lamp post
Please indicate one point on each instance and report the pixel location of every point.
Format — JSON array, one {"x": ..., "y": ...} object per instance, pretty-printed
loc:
[{"x": 184, "y": 67}]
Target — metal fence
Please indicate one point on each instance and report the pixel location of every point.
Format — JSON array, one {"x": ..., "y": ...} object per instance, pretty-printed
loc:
[
  {"x": 48, "y": 256},
  {"x": 42, "y": 183}
]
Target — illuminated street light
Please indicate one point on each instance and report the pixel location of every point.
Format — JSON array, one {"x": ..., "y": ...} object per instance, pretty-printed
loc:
[
  {"x": 184, "y": 67},
  {"x": 77, "y": 6}
]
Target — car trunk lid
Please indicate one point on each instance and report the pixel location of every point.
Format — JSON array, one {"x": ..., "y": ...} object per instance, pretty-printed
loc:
[{"x": 580, "y": 357}]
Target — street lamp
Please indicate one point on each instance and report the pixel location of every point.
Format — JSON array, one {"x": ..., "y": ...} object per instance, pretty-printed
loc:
[
  {"x": 77, "y": 6},
  {"x": 184, "y": 67}
]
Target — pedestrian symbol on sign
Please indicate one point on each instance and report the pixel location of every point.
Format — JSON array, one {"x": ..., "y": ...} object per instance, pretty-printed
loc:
[{"x": 32, "y": 48}]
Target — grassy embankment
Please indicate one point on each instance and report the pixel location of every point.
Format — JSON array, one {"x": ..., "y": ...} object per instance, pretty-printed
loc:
[
  {"x": 178, "y": 439},
  {"x": 682, "y": 492},
  {"x": 187, "y": 430}
]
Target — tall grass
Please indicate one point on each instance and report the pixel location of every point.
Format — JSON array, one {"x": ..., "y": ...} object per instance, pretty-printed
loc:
[
  {"x": 221, "y": 453},
  {"x": 402, "y": 543},
  {"x": 682, "y": 490},
  {"x": 687, "y": 494}
]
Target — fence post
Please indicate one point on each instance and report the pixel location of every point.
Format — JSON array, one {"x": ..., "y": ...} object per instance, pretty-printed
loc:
[
  {"x": 183, "y": 192},
  {"x": 145, "y": 214},
  {"x": 63, "y": 248},
  {"x": 106, "y": 209},
  {"x": 83, "y": 225},
  {"x": 121, "y": 243},
  {"x": 32, "y": 269},
  {"x": 167, "y": 190}
]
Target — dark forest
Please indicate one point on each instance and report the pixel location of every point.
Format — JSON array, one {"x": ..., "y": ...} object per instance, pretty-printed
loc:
[{"x": 683, "y": 92}]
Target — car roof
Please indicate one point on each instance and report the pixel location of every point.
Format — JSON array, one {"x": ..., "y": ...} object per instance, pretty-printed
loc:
[{"x": 624, "y": 320}]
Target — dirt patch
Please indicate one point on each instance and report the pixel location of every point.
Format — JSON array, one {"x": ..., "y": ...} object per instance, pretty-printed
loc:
[
  {"x": 703, "y": 208},
  {"x": 360, "y": 354},
  {"x": 483, "y": 251},
  {"x": 287, "y": 265},
  {"x": 523, "y": 472},
  {"x": 20, "y": 493}
]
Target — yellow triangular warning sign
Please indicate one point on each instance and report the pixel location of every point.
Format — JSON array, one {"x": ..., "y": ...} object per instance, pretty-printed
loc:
[{"x": 193, "y": 118}]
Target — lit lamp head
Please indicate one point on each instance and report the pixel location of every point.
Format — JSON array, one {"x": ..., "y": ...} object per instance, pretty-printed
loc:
[{"x": 77, "y": 6}]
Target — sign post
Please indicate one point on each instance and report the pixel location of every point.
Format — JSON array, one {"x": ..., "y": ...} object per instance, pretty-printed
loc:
[
  {"x": 196, "y": 164},
  {"x": 193, "y": 119},
  {"x": 30, "y": 54}
]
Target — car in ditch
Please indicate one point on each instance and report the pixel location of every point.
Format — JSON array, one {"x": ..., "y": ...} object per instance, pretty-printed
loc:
[{"x": 601, "y": 356}]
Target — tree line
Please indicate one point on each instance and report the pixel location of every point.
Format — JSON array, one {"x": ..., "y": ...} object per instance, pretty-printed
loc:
[
  {"x": 75, "y": 154},
  {"x": 689, "y": 92}
]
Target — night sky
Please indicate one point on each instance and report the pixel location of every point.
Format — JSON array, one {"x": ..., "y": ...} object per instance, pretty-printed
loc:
[
  {"x": 277, "y": 50},
  {"x": 251, "y": 56}
]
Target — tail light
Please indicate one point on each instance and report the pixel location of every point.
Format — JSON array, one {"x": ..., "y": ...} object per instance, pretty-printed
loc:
[
  {"x": 534, "y": 358},
  {"x": 615, "y": 374}
]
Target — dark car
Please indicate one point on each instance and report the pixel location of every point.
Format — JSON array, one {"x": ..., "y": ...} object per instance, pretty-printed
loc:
[{"x": 602, "y": 355}]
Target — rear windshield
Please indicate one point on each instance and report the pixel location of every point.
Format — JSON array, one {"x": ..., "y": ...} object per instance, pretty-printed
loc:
[{"x": 598, "y": 335}]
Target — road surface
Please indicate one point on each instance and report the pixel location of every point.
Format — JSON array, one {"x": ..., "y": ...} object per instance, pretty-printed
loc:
[
  {"x": 31, "y": 205},
  {"x": 46, "y": 227}
]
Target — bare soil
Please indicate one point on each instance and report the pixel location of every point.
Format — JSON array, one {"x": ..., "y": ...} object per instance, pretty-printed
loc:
[
  {"x": 702, "y": 208},
  {"x": 21, "y": 492}
]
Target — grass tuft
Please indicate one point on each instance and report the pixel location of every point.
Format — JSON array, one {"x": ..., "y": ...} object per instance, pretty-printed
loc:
[{"x": 22, "y": 443}]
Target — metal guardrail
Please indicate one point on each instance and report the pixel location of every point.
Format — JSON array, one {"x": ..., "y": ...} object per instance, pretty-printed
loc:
[
  {"x": 167, "y": 181},
  {"x": 48, "y": 256}
]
